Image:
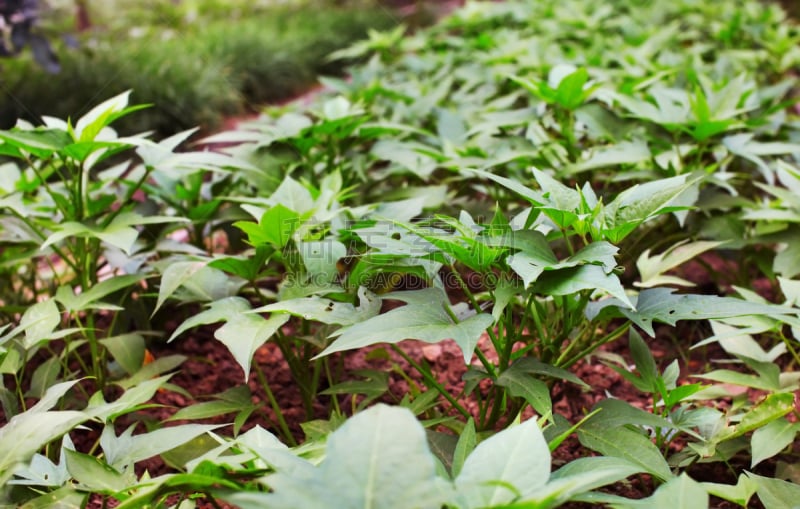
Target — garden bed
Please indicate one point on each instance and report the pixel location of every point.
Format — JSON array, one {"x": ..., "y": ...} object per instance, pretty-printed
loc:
[{"x": 532, "y": 256}]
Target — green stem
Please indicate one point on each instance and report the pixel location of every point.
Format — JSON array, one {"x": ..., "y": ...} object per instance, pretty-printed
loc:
[
  {"x": 566, "y": 120},
  {"x": 128, "y": 197},
  {"x": 46, "y": 185},
  {"x": 537, "y": 323},
  {"x": 276, "y": 408},
  {"x": 498, "y": 404},
  {"x": 297, "y": 371},
  {"x": 430, "y": 381},
  {"x": 42, "y": 236},
  {"x": 334, "y": 399},
  {"x": 476, "y": 306},
  {"x": 790, "y": 347},
  {"x": 608, "y": 338},
  {"x": 78, "y": 358}
]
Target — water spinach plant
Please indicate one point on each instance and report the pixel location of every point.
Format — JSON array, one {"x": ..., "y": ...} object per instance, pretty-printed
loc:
[{"x": 550, "y": 188}]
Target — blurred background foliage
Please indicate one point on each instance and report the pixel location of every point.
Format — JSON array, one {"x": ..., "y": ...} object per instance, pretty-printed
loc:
[{"x": 195, "y": 61}]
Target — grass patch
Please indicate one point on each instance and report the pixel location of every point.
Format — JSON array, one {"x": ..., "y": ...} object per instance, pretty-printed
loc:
[{"x": 194, "y": 74}]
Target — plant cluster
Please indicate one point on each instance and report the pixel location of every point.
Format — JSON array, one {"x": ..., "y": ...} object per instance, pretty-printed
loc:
[
  {"x": 524, "y": 179},
  {"x": 196, "y": 63}
]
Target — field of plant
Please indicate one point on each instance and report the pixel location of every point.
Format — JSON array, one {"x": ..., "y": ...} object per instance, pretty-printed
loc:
[
  {"x": 591, "y": 207},
  {"x": 194, "y": 61}
]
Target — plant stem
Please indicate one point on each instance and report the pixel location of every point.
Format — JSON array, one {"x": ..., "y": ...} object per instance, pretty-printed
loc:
[
  {"x": 476, "y": 306},
  {"x": 276, "y": 408},
  {"x": 334, "y": 399},
  {"x": 431, "y": 381},
  {"x": 562, "y": 361}
]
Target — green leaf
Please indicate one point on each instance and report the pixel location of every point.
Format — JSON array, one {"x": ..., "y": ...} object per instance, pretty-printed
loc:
[
  {"x": 62, "y": 498},
  {"x": 326, "y": 310},
  {"x": 39, "y": 321},
  {"x": 127, "y": 449},
  {"x": 178, "y": 457},
  {"x": 153, "y": 369},
  {"x": 218, "y": 311},
  {"x": 561, "y": 203},
  {"x": 430, "y": 321},
  {"x": 466, "y": 444},
  {"x": 523, "y": 385},
  {"x": 243, "y": 334},
  {"x": 629, "y": 445},
  {"x": 127, "y": 350},
  {"x": 175, "y": 275},
  {"x": 537, "y": 367},
  {"x": 775, "y": 493},
  {"x": 39, "y": 142},
  {"x": 511, "y": 463},
  {"x": 128, "y": 402},
  {"x": 680, "y": 493},
  {"x": 769, "y": 440},
  {"x": 580, "y": 476},
  {"x": 652, "y": 268},
  {"x": 73, "y": 300},
  {"x": 89, "y": 125},
  {"x": 570, "y": 92},
  {"x": 44, "y": 377},
  {"x": 278, "y": 224},
  {"x": 787, "y": 260},
  {"x": 616, "y": 413},
  {"x": 532, "y": 196},
  {"x": 773, "y": 407},
  {"x": 740, "y": 494},
  {"x": 94, "y": 474},
  {"x": 728, "y": 376},
  {"x": 586, "y": 277},
  {"x": 120, "y": 233},
  {"x": 637, "y": 204},
  {"x": 378, "y": 459},
  {"x": 232, "y": 400},
  {"x": 321, "y": 257},
  {"x": 24, "y": 434},
  {"x": 643, "y": 358},
  {"x": 536, "y": 257},
  {"x": 662, "y": 305},
  {"x": 625, "y": 152},
  {"x": 374, "y": 385}
]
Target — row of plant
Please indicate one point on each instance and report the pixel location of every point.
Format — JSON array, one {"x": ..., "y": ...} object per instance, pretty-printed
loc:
[
  {"x": 195, "y": 64},
  {"x": 525, "y": 173}
]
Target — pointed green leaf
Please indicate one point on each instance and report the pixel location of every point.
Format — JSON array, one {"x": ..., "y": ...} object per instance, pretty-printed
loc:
[
  {"x": 39, "y": 321},
  {"x": 523, "y": 385},
  {"x": 94, "y": 474},
  {"x": 511, "y": 463},
  {"x": 175, "y": 275},
  {"x": 464, "y": 447},
  {"x": 127, "y": 449},
  {"x": 740, "y": 494},
  {"x": 586, "y": 277},
  {"x": 218, "y": 311},
  {"x": 78, "y": 301},
  {"x": 680, "y": 493},
  {"x": 776, "y": 493},
  {"x": 429, "y": 322},
  {"x": 127, "y": 350},
  {"x": 326, "y": 310},
  {"x": 379, "y": 459},
  {"x": 243, "y": 334},
  {"x": 769, "y": 440},
  {"x": 626, "y": 444}
]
